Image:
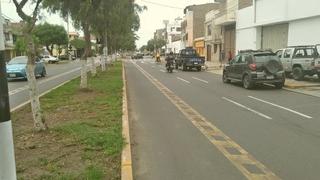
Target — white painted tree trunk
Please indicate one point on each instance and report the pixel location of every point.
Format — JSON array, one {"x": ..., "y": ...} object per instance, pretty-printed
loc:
[
  {"x": 84, "y": 77},
  {"x": 39, "y": 123},
  {"x": 103, "y": 63},
  {"x": 93, "y": 66}
]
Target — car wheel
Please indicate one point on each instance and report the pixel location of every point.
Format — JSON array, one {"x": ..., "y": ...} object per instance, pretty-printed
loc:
[
  {"x": 184, "y": 68},
  {"x": 279, "y": 85},
  {"x": 247, "y": 82},
  {"x": 199, "y": 68},
  {"x": 44, "y": 72},
  {"x": 318, "y": 75},
  {"x": 49, "y": 62},
  {"x": 297, "y": 73},
  {"x": 225, "y": 78},
  {"x": 176, "y": 66}
]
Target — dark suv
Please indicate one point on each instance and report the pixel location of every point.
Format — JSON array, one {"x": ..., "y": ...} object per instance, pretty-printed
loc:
[{"x": 255, "y": 67}]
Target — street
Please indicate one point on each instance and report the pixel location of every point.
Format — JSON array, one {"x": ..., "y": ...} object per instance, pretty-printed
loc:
[
  {"x": 56, "y": 75},
  {"x": 190, "y": 125}
]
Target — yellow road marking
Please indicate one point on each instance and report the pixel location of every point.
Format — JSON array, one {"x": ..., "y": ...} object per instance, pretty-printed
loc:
[{"x": 250, "y": 167}]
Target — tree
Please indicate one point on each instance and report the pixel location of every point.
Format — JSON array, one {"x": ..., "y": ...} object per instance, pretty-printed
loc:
[
  {"x": 143, "y": 48},
  {"x": 31, "y": 49},
  {"x": 153, "y": 44},
  {"x": 50, "y": 35}
]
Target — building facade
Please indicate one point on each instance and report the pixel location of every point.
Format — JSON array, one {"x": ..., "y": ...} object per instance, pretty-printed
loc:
[
  {"x": 275, "y": 24},
  {"x": 174, "y": 36},
  {"x": 192, "y": 26}
]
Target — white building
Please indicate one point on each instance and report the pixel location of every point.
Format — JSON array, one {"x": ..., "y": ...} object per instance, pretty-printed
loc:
[
  {"x": 275, "y": 24},
  {"x": 174, "y": 43}
]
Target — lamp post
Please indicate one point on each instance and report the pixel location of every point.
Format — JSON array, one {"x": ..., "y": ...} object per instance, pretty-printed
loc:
[
  {"x": 166, "y": 22},
  {"x": 7, "y": 161}
]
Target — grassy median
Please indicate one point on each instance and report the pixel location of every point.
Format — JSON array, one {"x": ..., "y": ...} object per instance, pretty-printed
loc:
[{"x": 84, "y": 140}]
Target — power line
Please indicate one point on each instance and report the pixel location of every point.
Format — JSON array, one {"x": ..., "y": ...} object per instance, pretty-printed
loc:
[{"x": 163, "y": 5}]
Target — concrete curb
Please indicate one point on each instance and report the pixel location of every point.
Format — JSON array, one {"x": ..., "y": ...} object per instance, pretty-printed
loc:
[{"x": 126, "y": 160}]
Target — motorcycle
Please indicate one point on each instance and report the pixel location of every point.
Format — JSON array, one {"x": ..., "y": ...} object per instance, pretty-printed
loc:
[{"x": 170, "y": 67}]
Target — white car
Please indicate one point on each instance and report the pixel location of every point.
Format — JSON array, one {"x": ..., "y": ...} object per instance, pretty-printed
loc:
[{"x": 50, "y": 59}]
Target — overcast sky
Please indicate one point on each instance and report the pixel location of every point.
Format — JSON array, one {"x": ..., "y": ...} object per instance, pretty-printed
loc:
[{"x": 151, "y": 19}]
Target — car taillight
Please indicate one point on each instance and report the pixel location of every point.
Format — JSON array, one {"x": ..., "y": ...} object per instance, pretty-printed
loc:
[{"x": 253, "y": 67}]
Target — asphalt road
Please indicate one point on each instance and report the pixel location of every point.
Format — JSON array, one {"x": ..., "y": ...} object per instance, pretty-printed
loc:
[
  {"x": 57, "y": 74},
  {"x": 269, "y": 133}
]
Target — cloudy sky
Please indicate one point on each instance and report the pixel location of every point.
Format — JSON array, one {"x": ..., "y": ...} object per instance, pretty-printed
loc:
[{"x": 151, "y": 19}]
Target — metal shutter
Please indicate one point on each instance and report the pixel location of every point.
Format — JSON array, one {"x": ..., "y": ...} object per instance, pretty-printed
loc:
[{"x": 274, "y": 37}]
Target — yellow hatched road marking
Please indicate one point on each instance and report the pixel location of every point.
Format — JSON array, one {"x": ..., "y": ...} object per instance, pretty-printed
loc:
[{"x": 250, "y": 167}]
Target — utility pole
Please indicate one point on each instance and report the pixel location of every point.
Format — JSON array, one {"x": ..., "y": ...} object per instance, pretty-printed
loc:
[
  {"x": 68, "y": 50},
  {"x": 7, "y": 161},
  {"x": 166, "y": 22}
]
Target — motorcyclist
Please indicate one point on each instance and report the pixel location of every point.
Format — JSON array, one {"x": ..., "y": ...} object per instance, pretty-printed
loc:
[
  {"x": 169, "y": 59},
  {"x": 158, "y": 57}
]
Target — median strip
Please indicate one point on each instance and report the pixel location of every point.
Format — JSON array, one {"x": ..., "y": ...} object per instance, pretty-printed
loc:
[{"x": 84, "y": 140}]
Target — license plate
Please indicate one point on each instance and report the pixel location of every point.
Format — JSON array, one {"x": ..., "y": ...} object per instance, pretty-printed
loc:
[
  {"x": 196, "y": 63},
  {"x": 270, "y": 77},
  {"x": 12, "y": 75}
]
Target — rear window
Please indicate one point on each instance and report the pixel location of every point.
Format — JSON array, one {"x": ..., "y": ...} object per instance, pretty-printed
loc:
[
  {"x": 260, "y": 58},
  {"x": 189, "y": 52}
]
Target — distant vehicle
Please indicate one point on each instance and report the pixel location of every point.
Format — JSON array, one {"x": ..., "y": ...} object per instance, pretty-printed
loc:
[
  {"x": 50, "y": 59},
  {"x": 137, "y": 56},
  {"x": 255, "y": 67},
  {"x": 66, "y": 57},
  {"x": 300, "y": 61},
  {"x": 17, "y": 67},
  {"x": 188, "y": 59}
]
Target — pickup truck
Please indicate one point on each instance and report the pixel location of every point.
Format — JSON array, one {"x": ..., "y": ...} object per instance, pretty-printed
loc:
[
  {"x": 300, "y": 61},
  {"x": 188, "y": 59}
]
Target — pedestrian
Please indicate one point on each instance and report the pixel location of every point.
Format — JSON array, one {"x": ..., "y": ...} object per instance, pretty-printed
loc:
[{"x": 229, "y": 56}]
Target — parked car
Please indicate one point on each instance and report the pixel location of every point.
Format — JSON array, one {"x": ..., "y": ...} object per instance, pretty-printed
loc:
[
  {"x": 300, "y": 61},
  {"x": 188, "y": 59},
  {"x": 16, "y": 68},
  {"x": 255, "y": 67},
  {"x": 50, "y": 59}
]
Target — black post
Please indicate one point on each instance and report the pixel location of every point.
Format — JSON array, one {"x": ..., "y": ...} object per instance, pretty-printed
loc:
[
  {"x": 7, "y": 161},
  {"x": 4, "y": 96}
]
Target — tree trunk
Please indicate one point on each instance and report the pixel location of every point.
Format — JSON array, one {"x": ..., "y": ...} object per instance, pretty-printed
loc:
[
  {"x": 39, "y": 123},
  {"x": 84, "y": 77},
  {"x": 93, "y": 67},
  {"x": 105, "y": 54}
]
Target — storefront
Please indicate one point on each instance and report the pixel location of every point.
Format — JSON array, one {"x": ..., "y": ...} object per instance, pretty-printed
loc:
[{"x": 199, "y": 45}]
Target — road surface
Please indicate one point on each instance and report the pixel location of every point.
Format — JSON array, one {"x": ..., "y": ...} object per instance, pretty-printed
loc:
[{"x": 190, "y": 125}]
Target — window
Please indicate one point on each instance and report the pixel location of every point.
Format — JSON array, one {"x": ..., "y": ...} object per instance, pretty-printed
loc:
[
  {"x": 7, "y": 36},
  {"x": 300, "y": 53},
  {"x": 209, "y": 30},
  {"x": 248, "y": 59},
  {"x": 279, "y": 53},
  {"x": 239, "y": 59},
  {"x": 178, "y": 29},
  {"x": 310, "y": 53},
  {"x": 287, "y": 53}
]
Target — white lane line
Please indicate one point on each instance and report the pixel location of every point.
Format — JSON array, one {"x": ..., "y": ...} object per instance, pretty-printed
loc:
[
  {"x": 247, "y": 108},
  {"x": 200, "y": 80},
  {"x": 281, "y": 107},
  {"x": 181, "y": 79},
  {"x": 162, "y": 70}
]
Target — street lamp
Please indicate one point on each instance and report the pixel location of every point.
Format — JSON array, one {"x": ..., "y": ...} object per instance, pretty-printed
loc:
[{"x": 7, "y": 162}]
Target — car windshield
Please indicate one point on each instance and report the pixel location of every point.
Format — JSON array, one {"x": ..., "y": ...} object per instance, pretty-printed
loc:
[
  {"x": 189, "y": 52},
  {"x": 260, "y": 58},
  {"x": 18, "y": 60}
]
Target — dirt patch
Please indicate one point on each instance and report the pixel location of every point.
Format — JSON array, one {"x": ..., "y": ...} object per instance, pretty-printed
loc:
[{"x": 83, "y": 141}]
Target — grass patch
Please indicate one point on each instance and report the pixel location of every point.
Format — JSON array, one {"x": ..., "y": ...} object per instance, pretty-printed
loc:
[{"x": 85, "y": 137}]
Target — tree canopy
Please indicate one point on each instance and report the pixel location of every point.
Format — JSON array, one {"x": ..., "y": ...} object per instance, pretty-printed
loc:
[{"x": 49, "y": 35}]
